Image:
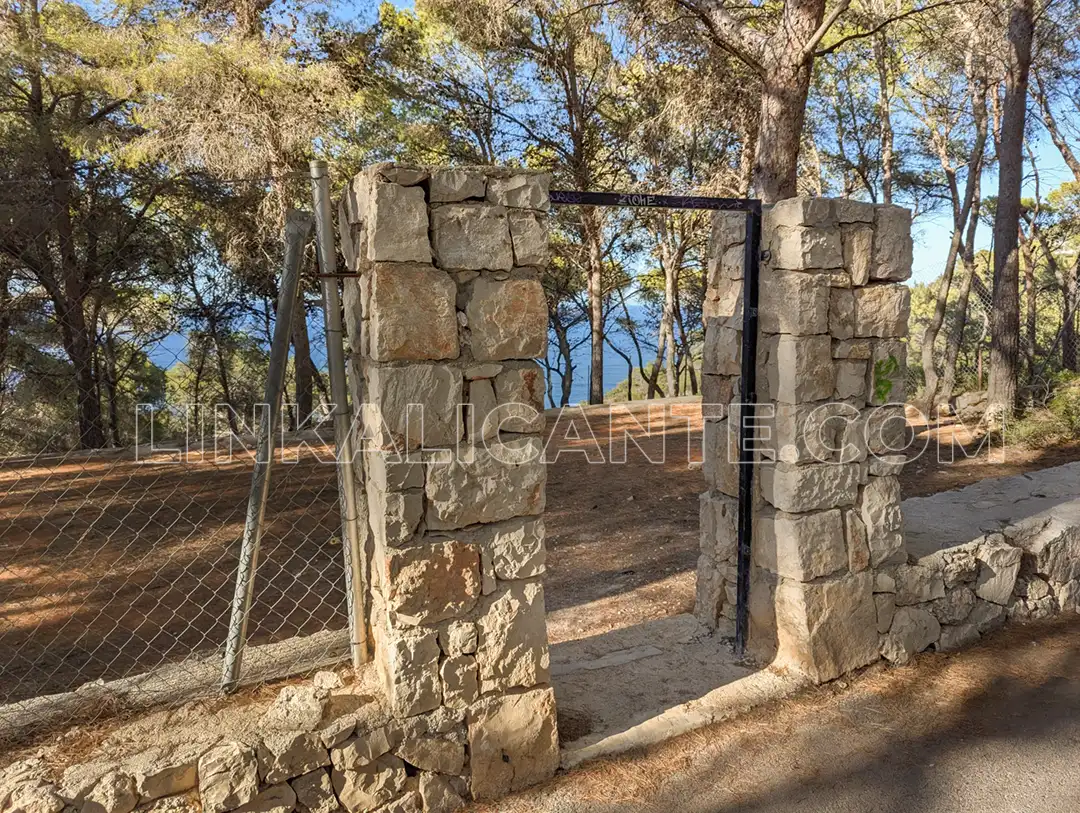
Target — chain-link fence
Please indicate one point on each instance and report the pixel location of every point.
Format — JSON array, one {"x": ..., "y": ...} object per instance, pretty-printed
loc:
[{"x": 135, "y": 346}]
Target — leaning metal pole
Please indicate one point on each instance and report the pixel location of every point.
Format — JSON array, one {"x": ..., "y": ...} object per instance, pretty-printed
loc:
[
  {"x": 352, "y": 549},
  {"x": 297, "y": 226}
]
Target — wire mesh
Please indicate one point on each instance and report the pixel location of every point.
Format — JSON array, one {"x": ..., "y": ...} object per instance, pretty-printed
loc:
[{"x": 134, "y": 348}]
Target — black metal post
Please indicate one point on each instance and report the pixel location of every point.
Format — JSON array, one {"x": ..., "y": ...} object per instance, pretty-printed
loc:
[{"x": 748, "y": 399}]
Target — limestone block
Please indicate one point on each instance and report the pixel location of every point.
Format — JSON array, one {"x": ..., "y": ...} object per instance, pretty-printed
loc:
[
  {"x": 885, "y": 429},
  {"x": 413, "y": 405},
  {"x": 892, "y": 244},
  {"x": 513, "y": 743},
  {"x": 851, "y": 381},
  {"x": 999, "y": 565},
  {"x": 886, "y": 609},
  {"x": 803, "y": 248},
  {"x": 397, "y": 224},
  {"x": 507, "y": 319},
  {"x": 284, "y": 755},
  {"x": 719, "y": 525},
  {"x": 169, "y": 773},
  {"x": 438, "y": 795},
  {"x": 879, "y": 509},
  {"x": 296, "y": 708},
  {"x": 33, "y": 796},
  {"x": 841, "y": 313},
  {"x": 529, "y": 235},
  {"x": 366, "y": 788},
  {"x": 274, "y": 799},
  {"x": 800, "y": 211},
  {"x": 858, "y": 240},
  {"x": 315, "y": 793},
  {"x": 489, "y": 484},
  {"x": 433, "y": 754},
  {"x": 515, "y": 548},
  {"x": 790, "y": 302},
  {"x": 853, "y": 211},
  {"x": 957, "y": 636},
  {"x": 803, "y": 370},
  {"x": 512, "y": 651},
  {"x": 727, "y": 265},
  {"x": 858, "y": 548},
  {"x": 519, "y": 390},
  {"x": 716, "y": 393},
  {"x": 483, "y": 419},
  {"x": 460, "y": 683},
  {"x": 1068, "y": 596},
  {"x": 852, "y": 349},
  {"x": 365, "y": 747},
  {"x": 888, "y": 466},
  {"x": 913, "y": 630},
  {"x": 796, "y": 489},
  {"x": 471, "y": 237},
  {"x": 113, "y": 793},
  {"x": 412, "y": 313},
  {"x": 387, "y": 471},
  {"x": 458, "y": 638},
  {"x": 802, "y": 547},
  {"x": 813, "y": 433},
  {"x": 917, "y": 584},
  {"x": 412, "y": 670},
  {"x": 955, "y": 607},
  {"x": 723, "y": 301},
  {"x": 524, "y": 191},
  {"x": 885, "y": 380},
  {"x": 399, "y": 173},
  {"x": 728, "y": 229},
  {"x": 1053, "y": 550},
  {"x": 826, "y": 628},
  {"x": 431, "y": 582},
  {"x": 723, "y": 350},
  {"x": 394, "y": 515},
  {"x": 720, "y": 456},
  {"x": 453, "y": 185},
  {"x": 228, "y": 777},
  {"x": 882, "y": 311}
]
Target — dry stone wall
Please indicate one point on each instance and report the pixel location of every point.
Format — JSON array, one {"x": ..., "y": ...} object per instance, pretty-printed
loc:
[{"x": 445, "y": 322}]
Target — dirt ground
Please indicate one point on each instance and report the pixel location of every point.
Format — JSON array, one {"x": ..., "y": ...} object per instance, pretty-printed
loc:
[{"x": 110, "y": 567}]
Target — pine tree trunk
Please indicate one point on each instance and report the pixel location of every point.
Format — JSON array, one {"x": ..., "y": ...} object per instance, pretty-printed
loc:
[
  {"x": 304, "y": 367},
  {"x": 596, "y": 306}
]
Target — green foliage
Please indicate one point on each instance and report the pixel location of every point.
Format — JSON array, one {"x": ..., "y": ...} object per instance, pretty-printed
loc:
[
  {"x": 1058, "y": 422},
  {"x": 884, "y": 370}
]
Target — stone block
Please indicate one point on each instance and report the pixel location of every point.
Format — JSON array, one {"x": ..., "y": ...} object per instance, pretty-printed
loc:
[
  {"x": 799, "y": 211},
  {"x": 529, "y": 235},
  {"x": 892, "y": 244},
  {"x": 413, "y": 405},
  {"x": 728, "y": 229},
  {"x": 858, "y": 548},
  {"x": 524, "y": 191},
  {"x": 394, "y": 516},
  {"x": 389, "y": 472},
  {"x": 169, "y": 773},
  {"x": 412, "y": 313},
  {"x": 315, "y": 793},
  {"x": 460, "y": 684},
  {"x": 853, "y": 211},
  {"x": 796, "y": 489},
  {"x": 513, "y": 743},
  {"x": 365, "y": 747},
  {"x": 723, "y": 301},
  {"x": 913, "y": 630},
  {"x": 882, "y": 311},
  {"x": 296, "y": 708},
  {"x": 804, "y": 248},
  {"x": 719, "y": 516},
  {"x": 512, "y": 649},
  {"x": 886, "y": 610},
  {"x": 453, "y": 185},
  {"x": 1052, "y": 549},
  {"x": 432, "y": 582},
  {"x": 999, "y": 565},
  {"x": 397, "y": 224},
  {"x": 500, "y": 481},
  {"x": 885, "y": 380},
  {"x": 285, "y": 755},
  {"x": 888, "y": 466},
  {"x": 365, "y": 789},
  {"x": 802, "y": 370},
  {"x": 228, "y": 777},
  {"x": 852, "y": 349},
  {"x": 954, "y": 637},
  {"x": 720, "y": 456},
  {"x": 507, "y": 319},
  {"x": 471, "y": 237},
  {"x": 519, "y": 390},
  {"x": 399, "y": 173},
  {"x": 439, "y": 795},
  {"x": 879, "y": 509},
  {"x": 710, "y": 593},
  {"x": 515, "y": 548},
  {"x": 483, "y": 419},
  {"x": 458, "y": 638},
  {"x": 113, "y": 793},
  {"x": 851, "y": 381},
  {"x": 790, "y": 302},
  {"x": 918, "y": 584},
  {"x": 955, "y": 607},
  {"x": 885, "y": 429},
  {"x": 802, "y": 547},
  {"x": 723, "y": 350},
  {"x": 433, "y": 754},
  {"x": 858, "y": 240},
  {"x": 411, "y": 665},
  {"x": 826, "y": 628},
  {"x": 841, "y": 313},
  {"x": 274, "y": 799},
  {"x": 727, "y": 265},
  {"x": 811, "y": 433},
  {"x": 716, "y": 393}
]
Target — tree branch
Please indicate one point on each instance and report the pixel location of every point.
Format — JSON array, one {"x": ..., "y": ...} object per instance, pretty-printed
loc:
[
  {"x": 729, "y": 32},
  {"x": 885, "y": 23}
]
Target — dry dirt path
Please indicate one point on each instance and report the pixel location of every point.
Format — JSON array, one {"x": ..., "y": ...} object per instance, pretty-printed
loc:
[{"x": 993, "y": 729}]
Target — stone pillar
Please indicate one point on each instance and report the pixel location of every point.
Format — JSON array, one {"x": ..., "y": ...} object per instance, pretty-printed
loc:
[
  {"x": 830, "y": 376},
  {"x": 445, "y": 324}
]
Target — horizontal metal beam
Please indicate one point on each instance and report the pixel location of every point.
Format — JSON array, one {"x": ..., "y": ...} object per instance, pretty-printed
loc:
[{"x": 646, "y": 200}]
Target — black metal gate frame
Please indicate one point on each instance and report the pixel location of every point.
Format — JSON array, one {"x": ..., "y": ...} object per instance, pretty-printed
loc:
[{"x": 748, "y": 380}]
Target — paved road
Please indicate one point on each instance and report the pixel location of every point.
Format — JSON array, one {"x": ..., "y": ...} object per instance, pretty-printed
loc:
[{"x": 995, "y": 729}]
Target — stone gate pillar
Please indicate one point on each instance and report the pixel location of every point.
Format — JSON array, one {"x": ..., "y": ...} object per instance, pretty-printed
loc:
[
  {"x": 830, "y": 419},
  {"x": 445, "y": 323}
]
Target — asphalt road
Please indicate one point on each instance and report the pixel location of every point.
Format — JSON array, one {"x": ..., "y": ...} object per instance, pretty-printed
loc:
[{"x": 993, "y": 729}]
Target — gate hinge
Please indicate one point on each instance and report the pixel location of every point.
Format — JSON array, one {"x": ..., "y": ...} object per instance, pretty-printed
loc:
[{"x": 766, "y": 255}]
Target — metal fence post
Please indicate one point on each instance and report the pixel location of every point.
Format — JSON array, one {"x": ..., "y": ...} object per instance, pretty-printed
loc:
[
  {"x": 297, "y": 227},
  {"x": 351, "y": 529}
]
